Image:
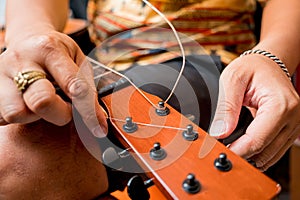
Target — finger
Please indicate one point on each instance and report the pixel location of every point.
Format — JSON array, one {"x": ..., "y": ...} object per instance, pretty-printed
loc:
[
  {"x": 252, "y": 111},
  {"x": 63, "y": 64},
  {"x": 229, "y": 104},
  {"x": 278, "y": 156},
  {"x": 41, "y": 98},
  {"x": 78, "y": 85},
  {"x": 264, "y": 165},
  {"x": 12, "y": 106},
  {"x": 2, "y": 121},
  {"x": 260, "y": 133},
  {"x": 85, "y": 100},
  {"x": 276, "y": 149}
]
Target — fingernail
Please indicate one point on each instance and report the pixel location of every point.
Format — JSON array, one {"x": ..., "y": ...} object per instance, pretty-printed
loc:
[
  {"x": 99, "y": 132},
  {"x": 218, "y": 128}
]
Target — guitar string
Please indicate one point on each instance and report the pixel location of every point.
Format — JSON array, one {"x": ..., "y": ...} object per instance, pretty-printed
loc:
[
  {"x": 179, "y": 43},
  {"x": 98, "y": 64},
  {"x": 181, "y": 69},
  {"x": 123, "y": 76},
  {"x": 102, "y": 75},
  {"x": 149, "y": 125},
  {"x": 122, "y": 120},
  {"x": 140, "y": 91}
]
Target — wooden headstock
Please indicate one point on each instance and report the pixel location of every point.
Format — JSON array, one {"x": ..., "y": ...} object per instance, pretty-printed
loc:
[{"x": 183, "y": 157}]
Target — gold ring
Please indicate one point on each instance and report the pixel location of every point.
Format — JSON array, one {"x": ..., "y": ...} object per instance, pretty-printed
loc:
[{"x": 24, "y": 79}]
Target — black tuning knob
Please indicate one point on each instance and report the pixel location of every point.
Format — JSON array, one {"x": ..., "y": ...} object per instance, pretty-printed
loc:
[
  {"x": 189, "y": 134},
  {"x": 162, "y": 110},
  {"x": 137, "y": 188},
  {"x": 222, "y": 163},
  {"x": 129, "y": 126},
  {"x": 191, "y": 184},
  {"x": 157, "y": 153}
]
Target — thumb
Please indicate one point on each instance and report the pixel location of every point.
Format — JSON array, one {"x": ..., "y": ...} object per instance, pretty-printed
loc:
[{"x": 230, "y": 100}]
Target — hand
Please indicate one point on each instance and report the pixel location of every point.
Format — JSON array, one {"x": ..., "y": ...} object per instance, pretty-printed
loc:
[
  {"x": 258, "y": 83},
  {"x": 61, "y": 59}
]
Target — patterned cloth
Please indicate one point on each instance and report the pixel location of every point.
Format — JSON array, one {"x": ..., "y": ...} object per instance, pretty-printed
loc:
[{"x": 214, "y": 24}]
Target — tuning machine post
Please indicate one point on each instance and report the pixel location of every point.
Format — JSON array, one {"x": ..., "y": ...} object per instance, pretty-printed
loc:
[
  {"x": 157, "y": 153},
  {"x": 189, "y": 134},
  {"x": 191, "y": 184},
  {"x": 222, "y": 163},
  {"x": 130, "y": 126},
  {"x": 162, "y": 110}
]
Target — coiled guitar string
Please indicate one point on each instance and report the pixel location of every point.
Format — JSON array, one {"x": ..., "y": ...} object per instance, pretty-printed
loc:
[{"x": 98, "y": 64}]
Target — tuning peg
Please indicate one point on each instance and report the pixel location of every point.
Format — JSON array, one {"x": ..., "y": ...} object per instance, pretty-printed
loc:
[
  {"x": 137, "y": 188},
  {"x": 113, "y": 159},
  {"x": 189, "y": 134},
  {"x": 129, "y": 126},
  {"x": 162, "y": 110},
  {"x": 222, "y": 163},
  {"x": 191, "y": 184},
  {"x": 157, "y": 153}
]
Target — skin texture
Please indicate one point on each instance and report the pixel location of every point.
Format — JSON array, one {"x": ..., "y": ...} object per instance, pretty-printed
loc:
[
  {"x": 34, "y": 43},
  {"x": 257, "y": 82},
  {"x": 43, "y": 161},
  {"x": 40, "y": 153}
]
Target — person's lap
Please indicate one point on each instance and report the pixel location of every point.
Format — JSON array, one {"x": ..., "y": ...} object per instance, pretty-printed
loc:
[{"x": 43, "y": 161}]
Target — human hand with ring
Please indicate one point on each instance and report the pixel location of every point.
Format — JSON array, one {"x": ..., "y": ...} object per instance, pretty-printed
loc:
[
  {"x": 30, "y": 77},
  {"x": 36, "y": 58}
]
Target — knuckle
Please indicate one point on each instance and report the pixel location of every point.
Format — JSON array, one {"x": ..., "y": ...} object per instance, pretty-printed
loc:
[
  {"x": 262, "y": 165},
  {"x": 287, "y": 106},
  {"x": 294, "y": 103},
  {"x": 46, "y": 42},
  {"x": 47, "y": 45},
  {"x": 78, "y": 88},
  {"x": 235, "y": 75},
  {"x": 263, "y": 159},
  {"x": 226, "y": 107},
  {"x": 256, "y": 146},
  {"x": 13, "y": 113},
  {"x": 40, "y": 101},
  {"x": 89, "y": 116}
]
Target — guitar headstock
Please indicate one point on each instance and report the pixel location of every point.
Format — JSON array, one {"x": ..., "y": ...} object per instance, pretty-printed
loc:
[{"x": 192, "y": 167}]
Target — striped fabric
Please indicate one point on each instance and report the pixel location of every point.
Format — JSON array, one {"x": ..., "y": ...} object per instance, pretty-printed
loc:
[{"x": 212, "y": 23}]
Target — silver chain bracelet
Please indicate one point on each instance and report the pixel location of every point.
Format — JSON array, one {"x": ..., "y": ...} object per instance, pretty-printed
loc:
[{"x": 272, "y": 57}]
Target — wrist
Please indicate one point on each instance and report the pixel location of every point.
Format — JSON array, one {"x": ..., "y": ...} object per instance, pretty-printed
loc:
[
  {"x": 16, "y": 34},
  {"x": 271, "y": 57},
  {"x": 286, "y": 53}
]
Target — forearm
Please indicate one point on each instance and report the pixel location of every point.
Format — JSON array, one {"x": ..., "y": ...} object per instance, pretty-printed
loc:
[
  {"x": 28, "y": 16},
  {"x": 280, "y": 31}
]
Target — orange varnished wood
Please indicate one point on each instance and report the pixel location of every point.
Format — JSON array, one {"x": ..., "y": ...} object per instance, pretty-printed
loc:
[
  {"x": 184, "y": 157},
  {"x": 155, "y": 194}
]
